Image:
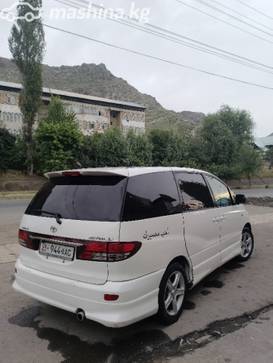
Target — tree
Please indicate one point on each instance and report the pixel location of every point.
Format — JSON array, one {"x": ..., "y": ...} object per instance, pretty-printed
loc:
[
  {"x": 217, "y": 147},
  {"x": 27, "y": 44},
  {"x": 139, "y": 150},
  {"x": 112, "y": 149},
  {"x": 159, "y": 140},
  {"x": 250, "y": 161},
  {"x": 269, "y": 156},
  {"x": 7, "y": 148},
  {"x": 169, "y": 148},
  {"x": 239, "y": 122},
  {"x": 90, "y": 151},
  {"x": 58, "y": 139},
  {"x": 219, "y": 143}
]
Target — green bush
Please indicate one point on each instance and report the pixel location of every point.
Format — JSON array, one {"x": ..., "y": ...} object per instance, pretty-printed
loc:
[
  {"x": 222, "y": 144},
  {"x": 58, "y": 140},
  {"x": 139, "y": 150},
  {"x": 7, "y": 149}
]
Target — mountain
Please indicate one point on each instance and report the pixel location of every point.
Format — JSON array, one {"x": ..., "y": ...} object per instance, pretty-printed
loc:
[{"x": 97, "y": 80}]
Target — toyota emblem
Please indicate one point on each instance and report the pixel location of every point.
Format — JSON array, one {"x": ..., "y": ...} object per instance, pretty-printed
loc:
[{"x": 53, "y": 229}]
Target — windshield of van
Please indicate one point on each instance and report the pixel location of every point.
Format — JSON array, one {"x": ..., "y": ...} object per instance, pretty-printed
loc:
[{"x": 91, "y": 198}]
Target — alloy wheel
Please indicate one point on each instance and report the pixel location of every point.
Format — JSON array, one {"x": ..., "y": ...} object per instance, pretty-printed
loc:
[{"x": 174, "y": 293}]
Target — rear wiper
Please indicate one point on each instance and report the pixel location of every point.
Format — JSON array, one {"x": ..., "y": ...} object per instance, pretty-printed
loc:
[{"x": 56, "y": 215}]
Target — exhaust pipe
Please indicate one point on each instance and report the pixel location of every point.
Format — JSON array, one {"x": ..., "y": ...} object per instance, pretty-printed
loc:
[{"x": 80, "y": 314}]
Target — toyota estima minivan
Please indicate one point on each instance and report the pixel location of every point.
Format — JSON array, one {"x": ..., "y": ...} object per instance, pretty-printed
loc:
[{"x": 116, "y": 245}]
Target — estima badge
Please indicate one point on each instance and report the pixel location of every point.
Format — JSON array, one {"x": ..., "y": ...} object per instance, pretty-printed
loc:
[{"x": 53, "y": 229}]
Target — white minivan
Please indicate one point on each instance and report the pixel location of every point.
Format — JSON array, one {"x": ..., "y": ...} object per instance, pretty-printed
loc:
[{"x": 116, "y": 245}]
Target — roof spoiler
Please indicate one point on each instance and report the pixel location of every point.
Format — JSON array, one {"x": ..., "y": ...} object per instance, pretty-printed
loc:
[{"x": 86, "y": 172}]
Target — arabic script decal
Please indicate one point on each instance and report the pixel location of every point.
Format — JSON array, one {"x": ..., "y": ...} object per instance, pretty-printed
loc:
[{"x": 150, "y": 236}]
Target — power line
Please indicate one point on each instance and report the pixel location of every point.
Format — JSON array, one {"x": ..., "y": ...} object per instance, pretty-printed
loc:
[
  {"x": 200, "y": 46},
  {"x": 167, "y": 61},
  {"x": 233, "y": 17},
  {"x": 215, "y": 48},
  {"x": 255, "y": 9},
  {"x": 241, "y": 14},
  {"x": 224, "y": 21}
]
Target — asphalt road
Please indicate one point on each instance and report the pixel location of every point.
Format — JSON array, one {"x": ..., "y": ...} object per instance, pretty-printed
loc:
[
  {"x": 10, "y": 214},
  {"x": 227, "y": 318},
  {"x": 257, "y": 193}
]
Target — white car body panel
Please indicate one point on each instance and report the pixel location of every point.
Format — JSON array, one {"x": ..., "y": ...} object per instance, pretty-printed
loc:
[
  {"x": 138, "y": 297},
  {"x": 155, "y": 234},
  {"x": 232, "y": 220},
  {"x": 202, "y": 240},
  {"x": 76, "y": 269},
  {"x": 205, "y": 238}
]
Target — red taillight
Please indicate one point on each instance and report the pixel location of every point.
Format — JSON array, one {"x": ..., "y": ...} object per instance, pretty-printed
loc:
[
  {"x": 71, "y": 173},
  {"x": 110, "y": 297},
  {"x": 107, "y": 251},
  {"x": 92, "y": 251},
  {"x": 25, "y": 240}
]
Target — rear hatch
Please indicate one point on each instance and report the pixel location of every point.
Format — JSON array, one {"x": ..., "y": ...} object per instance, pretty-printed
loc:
[{"x": 68, "y": 217}]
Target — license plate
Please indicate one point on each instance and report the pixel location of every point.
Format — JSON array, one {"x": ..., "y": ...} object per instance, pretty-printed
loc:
[{"x": 57, "y": 250}]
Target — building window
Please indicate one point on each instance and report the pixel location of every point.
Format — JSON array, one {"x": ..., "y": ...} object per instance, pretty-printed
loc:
[{"x": 114, "y": 114}]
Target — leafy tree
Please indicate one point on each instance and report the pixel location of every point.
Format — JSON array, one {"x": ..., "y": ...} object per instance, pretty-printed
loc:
[
  {"x": 169, "y": 148},
  {"x": 19, "y": 156},
  {"x": 239, "y": 122},
  {"x": 58, "y": 139},
  {"x": 217, "y": 148},
  {"x": 269, "y": 156},
  {"x": 139, "y": 150},
  {"x": 250, "y": 161},
  {"x": 27, "y": 44},
  {"x": 112, "y": 149},
  {"x": 7, "y": 149},
  {"x": 221, "y": 142},
  {"x": 90, "y": 151},
  {"x": 161, "y": 148}
]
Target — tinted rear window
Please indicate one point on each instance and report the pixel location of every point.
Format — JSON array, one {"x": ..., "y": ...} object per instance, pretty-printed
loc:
[{"x": 91, "y": 198}]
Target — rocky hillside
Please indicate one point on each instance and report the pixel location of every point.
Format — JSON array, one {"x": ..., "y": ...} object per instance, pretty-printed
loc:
[{"x": 97, "y": 80}]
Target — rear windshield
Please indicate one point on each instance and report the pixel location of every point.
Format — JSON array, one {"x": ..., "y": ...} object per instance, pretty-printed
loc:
[{"x": 91, "y": 198}]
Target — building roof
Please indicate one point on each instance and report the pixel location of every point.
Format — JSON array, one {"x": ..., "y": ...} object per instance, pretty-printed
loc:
[
  {"x": 76, "y": 97},
  {"x": 127, "y": 172},
  {"x": 263, "y": 142}
]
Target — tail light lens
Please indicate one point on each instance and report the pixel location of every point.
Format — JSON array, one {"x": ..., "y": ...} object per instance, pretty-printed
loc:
[
  {"x": 107, "y": 251},
  {"x": 27, "y": 241}
]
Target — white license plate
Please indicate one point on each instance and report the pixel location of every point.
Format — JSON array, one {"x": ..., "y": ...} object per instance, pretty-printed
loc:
[{"x": 57, "y": 250}]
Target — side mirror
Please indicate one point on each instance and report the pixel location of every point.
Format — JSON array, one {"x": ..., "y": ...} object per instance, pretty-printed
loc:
[{"x": 240, "y": 199}]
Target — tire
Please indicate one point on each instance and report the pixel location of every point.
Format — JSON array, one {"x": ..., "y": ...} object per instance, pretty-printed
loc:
[
  {"x": 172, "y": 290},
  {"x": 247, "y": 244}
]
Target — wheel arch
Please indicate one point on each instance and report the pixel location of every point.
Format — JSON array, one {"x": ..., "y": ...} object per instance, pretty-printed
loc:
[{"x": 187, "y": 267}]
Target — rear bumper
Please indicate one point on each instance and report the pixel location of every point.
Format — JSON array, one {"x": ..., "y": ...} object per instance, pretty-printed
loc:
[{"x": 138, "y": 298}]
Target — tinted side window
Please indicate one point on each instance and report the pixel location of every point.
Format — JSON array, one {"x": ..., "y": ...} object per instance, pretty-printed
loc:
[
  {"x": 195, "y": 192},
  {"x": 220, "y": 191},
  {"x": 151, "y": 195}
]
